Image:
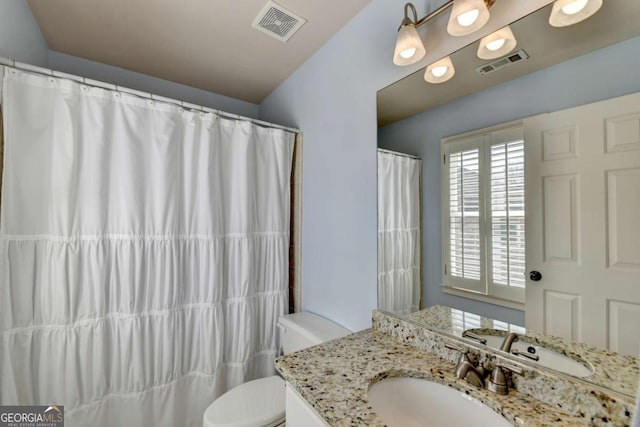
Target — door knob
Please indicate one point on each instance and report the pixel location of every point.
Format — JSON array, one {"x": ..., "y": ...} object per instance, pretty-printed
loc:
[{"x": 535, "y": 276}]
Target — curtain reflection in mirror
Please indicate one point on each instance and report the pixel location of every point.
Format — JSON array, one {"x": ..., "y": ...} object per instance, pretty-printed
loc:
[{"x": 399, "y": 249}]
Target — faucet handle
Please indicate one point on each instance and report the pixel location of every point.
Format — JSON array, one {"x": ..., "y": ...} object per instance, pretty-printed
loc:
[
  {"x": 497, "y": 382},
  {"x": 456, "y": 347},
  {"x": 467, "y": 334},
  {"x": 527, "y": 355},
  {"x": 513, "y": 368}
]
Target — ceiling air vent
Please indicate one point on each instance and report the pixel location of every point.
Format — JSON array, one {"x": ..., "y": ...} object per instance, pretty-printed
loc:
[
  {"x": 277, "y": 21},
  {"x": 505, "y": 61}
]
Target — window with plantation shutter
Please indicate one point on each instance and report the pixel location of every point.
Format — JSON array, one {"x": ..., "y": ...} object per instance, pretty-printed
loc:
[{"x": 483, "y": 213}]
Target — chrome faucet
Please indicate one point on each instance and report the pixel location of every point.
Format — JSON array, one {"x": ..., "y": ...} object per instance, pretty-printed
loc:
[
  {"x": 509, "y": 339},
  {"x": 472, "y": 374},
  {"x": 465, "y": 369},
  {"x": 497, "y": 379},
  {"x": 497, "y": 382}
]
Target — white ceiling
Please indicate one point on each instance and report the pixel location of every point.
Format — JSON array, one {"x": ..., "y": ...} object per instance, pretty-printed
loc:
[{"x": 208, "y": 44}]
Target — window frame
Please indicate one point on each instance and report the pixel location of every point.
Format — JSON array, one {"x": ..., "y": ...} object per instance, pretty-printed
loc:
[{"x": 483, "y": 289}]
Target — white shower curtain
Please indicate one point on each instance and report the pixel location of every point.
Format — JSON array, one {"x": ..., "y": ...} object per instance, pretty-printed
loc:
[
  {"x": 144, "y": 253},
  {"x": 398, "y": 233}
]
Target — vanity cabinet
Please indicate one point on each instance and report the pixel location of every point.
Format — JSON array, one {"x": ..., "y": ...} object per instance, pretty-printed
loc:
[{"x": 299, "y": 413}]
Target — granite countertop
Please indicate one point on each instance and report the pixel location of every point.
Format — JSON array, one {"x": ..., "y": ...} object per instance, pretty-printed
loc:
[
  {"x": 334, "y": 378},
  {"x": 616, "y": 371}
]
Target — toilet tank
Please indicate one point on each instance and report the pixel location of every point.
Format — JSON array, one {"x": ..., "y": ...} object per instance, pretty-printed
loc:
[{"x": 302, "y": 330}]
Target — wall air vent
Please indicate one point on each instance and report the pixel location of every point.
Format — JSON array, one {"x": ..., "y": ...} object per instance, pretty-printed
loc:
[
  {"x": 505, "y": 61},
  {"x": 277, "y": 21}
]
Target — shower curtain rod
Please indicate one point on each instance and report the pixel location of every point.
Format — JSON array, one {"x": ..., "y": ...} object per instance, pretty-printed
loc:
[
  {"x": 140, "y": 94},
  {"x": 395, "y": 153}
]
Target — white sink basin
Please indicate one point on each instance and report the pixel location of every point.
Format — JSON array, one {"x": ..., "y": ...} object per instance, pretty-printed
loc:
[
  {"x": 548, "y": 358},
  {"x": 408, "y": 402}
]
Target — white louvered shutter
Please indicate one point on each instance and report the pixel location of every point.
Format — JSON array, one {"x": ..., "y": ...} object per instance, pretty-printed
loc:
[
  {"x": 483, "y": 216},
  {"x": 465, "y": 215},
  {"x": 506, "y": 214}
]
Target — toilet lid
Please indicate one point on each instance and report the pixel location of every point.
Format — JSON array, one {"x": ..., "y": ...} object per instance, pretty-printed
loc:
[{"x": 257, "y": 403}]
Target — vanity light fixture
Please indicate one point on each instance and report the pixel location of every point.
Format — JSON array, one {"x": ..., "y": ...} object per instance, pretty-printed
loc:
[
  {"x": 440, "y": 71},
  {"x": 569, "y": 12},
  {"x": 497, "y": 44},
  {"x": 466, "y": 17}
]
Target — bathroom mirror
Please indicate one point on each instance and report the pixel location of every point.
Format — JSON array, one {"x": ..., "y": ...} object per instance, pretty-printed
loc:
[
  {"x": 614, "y": 33},
  {"x": 612, "y": 370}
]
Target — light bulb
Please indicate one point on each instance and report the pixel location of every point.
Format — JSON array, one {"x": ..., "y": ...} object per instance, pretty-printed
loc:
[
  {"x": 408, "y": 53},
  {"x": 569, "y": 12},
  {"x": 496, "y": 44},
  {"x": 468, "y": 18},
  {"x": 574, "y": 7},
  {"x": 409, "y": 47},
  {"x": 440, "y": 70}
]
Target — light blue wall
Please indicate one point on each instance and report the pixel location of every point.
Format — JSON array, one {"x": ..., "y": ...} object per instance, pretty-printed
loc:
[
  {"x": 606, "y": 73},
  {"x": 332, "y": 98},
  {"x": 121, "y": 77},
  {"x": 20, "y": 36}
]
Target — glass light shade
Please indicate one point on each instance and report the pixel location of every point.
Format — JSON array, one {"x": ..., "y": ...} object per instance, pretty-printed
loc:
[
  {"x": 497, "y": 44},
  {"x": 569, "y": 12},
  {"x": 440, "y": 71},
  {"x": 409, "y": 47},
  {"x": 463, "y": 12}
]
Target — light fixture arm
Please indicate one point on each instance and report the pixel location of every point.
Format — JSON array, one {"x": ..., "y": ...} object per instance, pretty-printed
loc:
[
  {"x": 418, "y": 23},
  {"x": 435, "y": 13},
  {"x": 410, "y": 6},
  {"x": 406, "y": 20}
]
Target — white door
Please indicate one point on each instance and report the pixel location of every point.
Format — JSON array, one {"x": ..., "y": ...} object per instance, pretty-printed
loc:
[{"x": 582, "y": 168}]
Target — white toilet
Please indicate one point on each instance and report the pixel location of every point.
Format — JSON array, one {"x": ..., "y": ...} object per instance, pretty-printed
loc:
[{"x": 260, "y": 403}]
